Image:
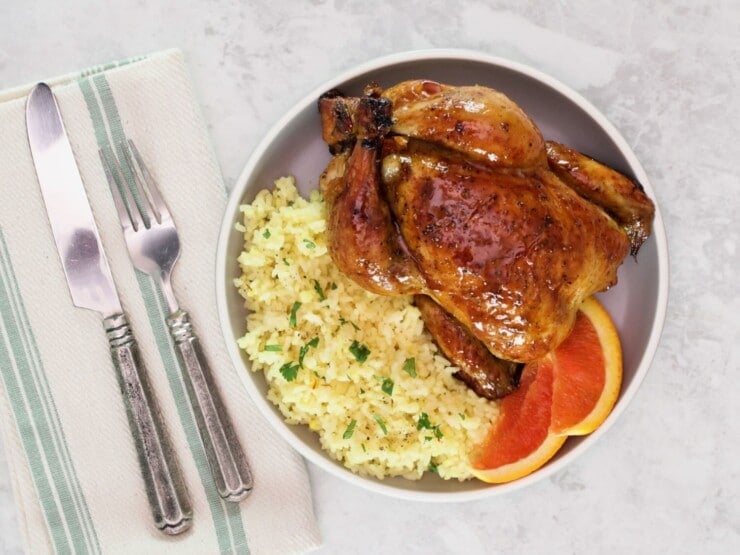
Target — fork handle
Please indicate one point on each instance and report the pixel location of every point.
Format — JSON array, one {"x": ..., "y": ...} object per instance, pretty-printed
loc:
[
  {"x": 228, "y": 464},
  {"x": 165, "y": 488}
]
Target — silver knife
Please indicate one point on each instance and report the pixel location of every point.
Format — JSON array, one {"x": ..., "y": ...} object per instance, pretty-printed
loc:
[{"x": 92, "y": 287}]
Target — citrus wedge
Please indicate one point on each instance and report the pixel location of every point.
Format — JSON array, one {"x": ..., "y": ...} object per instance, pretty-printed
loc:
[
  {"x": 520, "y": 440},
  {"x": 570, "y": 391},
  {"x": 587, "y": 372}
]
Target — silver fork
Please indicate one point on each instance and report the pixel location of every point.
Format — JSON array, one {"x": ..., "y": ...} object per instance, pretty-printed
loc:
[{"x": 154, "y": 247}]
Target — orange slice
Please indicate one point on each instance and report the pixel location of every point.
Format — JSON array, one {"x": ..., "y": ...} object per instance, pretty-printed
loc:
[
  {"x": 520, "y": 440},
  {"x": 568, "y": 392},
  {"x": 587, "y": 370}
]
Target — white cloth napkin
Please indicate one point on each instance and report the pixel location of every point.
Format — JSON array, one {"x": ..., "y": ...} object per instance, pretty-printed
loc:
[{"x": 72, "y": 460}]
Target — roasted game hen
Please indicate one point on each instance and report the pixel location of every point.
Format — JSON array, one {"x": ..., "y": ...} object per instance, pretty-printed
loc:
[{"x": 452, "y": 194}]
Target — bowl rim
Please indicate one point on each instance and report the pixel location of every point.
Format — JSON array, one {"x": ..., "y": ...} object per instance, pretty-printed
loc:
[{"x": 231, "y": 211}]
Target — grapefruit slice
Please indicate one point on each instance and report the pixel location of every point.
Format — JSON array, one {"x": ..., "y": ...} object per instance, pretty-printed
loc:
[
  {"x": 570, "y": 391},
  {"x": 587, "y": 371},
  {"x": 520, "y": 441}
]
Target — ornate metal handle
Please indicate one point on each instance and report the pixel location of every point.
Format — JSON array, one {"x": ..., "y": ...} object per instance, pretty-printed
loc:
[
  {"x": 165, "y": 487},
  {"x": 228, "y": 464}
]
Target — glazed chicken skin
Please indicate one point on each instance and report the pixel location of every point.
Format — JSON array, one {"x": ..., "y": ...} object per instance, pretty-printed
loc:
[{"x": 452, "y": 194}]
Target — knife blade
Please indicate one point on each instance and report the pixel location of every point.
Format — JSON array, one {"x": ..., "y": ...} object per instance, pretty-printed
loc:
[{"x": 92, "y": 287}]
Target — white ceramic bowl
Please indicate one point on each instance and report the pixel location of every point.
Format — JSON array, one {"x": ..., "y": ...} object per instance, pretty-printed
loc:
[{"x": 294, "y": 146}]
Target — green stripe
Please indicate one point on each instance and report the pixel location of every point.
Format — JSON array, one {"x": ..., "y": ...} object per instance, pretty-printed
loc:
[
  {"x": 231, "y": 525},
  {"x": 226, "y": 516},
  {"x": 118, "y": 142},
  {"x": 53, "y": 472},
  {"x": 150, "y": 294},
  {"x": 52, "y": 415},
  {"x": 58, "y": 455},
  {"x": 101, "y": 134},
  {"x": 60, "y": 442},
  {"x": 26, "y": 429}
]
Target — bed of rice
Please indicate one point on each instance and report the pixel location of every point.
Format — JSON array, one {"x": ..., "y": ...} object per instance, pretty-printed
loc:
[{"x": 359, "y": 369}]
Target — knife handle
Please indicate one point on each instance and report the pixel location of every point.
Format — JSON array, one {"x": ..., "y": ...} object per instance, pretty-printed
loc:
[
  {"x": 228, "y": 464},
  {"x": 165, "y": 488}
]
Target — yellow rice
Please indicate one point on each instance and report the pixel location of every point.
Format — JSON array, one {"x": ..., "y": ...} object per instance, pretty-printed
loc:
[{"x": 375, "y": 416}]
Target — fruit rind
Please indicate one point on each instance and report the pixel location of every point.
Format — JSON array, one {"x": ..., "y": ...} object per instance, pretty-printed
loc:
[
  {"x": 522, "y": 467},
  {"x": 612, "y": 349}
]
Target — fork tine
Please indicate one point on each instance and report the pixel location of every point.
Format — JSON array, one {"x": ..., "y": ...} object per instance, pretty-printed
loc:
[
  {"x": 150, "y": 185},
  {"x": 129, "y": 219},
  {"x": 146, "y": 206}
]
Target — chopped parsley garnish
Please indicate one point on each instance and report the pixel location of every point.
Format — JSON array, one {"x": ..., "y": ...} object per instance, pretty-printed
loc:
[
  {"x": 266, "y": 234},
  {"x": 273, "y": 348},
  {"x": 387, "y": 386},
  {"x": 343, "y": 321},
  {"x": 293, "y": 311},
  {"x": 332, "y": 286},
  {"x": 425, "y": 424},
  {"x": 359, "y": 351},
  {"x": 380, "y": 422},
  {"x": 462, "y": 415},
  {"x": 302, "y": 353},
  {"x": 433, "y": 468},
  {"x": 409, "y": 366},
  {"x": 363, "y": 448},
  {"x": 309, "y": 244},
  {"x": 350, "y": 430},
  {"x": 289, "y": 371},
  {"x": 285, "y": 261},
  {"x": 319, "y": 290}
]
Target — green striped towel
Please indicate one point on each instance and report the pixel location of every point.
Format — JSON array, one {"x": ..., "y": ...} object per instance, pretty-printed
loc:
[{"x": 72, "y": 461}]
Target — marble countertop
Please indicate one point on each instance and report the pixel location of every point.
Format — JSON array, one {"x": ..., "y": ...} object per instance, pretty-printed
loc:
[{"x": 665, "y": 477}]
